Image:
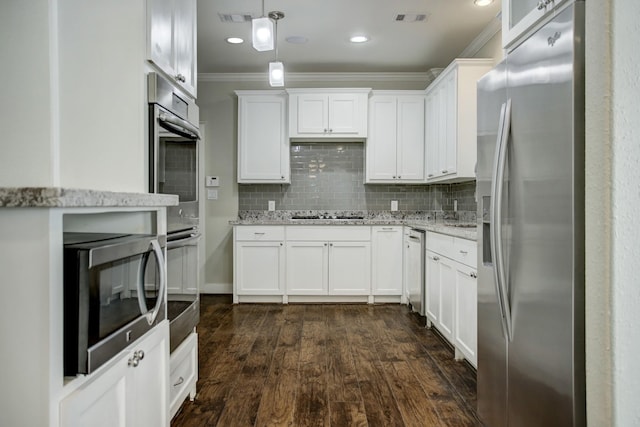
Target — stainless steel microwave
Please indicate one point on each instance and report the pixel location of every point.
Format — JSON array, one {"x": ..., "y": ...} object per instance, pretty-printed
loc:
[{"x": 109, "y": 299}]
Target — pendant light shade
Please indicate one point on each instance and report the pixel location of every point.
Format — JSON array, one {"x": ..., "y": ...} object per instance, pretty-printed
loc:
[
  {"x": 276, "y": 74},
  {"x": 262, "y": 34}
]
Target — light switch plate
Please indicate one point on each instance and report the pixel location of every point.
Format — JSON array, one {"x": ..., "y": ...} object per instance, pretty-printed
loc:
[
  {"x": 272, "y": 205},
  {"x": 212, "y": 181},
  {"x": 394, "y": 205}
]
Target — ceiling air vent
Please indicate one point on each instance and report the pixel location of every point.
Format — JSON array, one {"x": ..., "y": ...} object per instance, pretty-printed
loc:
[
  {"x": 411, "y": 17},
  {"x": 236, "y": 18}
]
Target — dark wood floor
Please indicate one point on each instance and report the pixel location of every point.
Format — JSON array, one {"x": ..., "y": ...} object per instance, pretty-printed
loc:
[{"x": 324, "y": 365}]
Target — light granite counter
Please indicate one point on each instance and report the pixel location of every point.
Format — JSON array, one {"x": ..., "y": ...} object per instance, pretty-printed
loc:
[
  {"x": 57, "y": 197},
  {"x": 461, "y": 227}
]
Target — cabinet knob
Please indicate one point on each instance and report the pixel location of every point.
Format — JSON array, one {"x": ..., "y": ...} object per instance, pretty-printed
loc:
[
  {"x": 282, "y": 177},
  {"x": 541, "y": 5},
  {"x": 134, "y": 362},
  {"x": 430, "y": 175},
  {"x": 394, "y": 177},
  {"x": 463, "y": 252},
  {"x": 326, "y": 130},
  {"x": 180, "y": 78},
  {"x": 435, "y": 258},
  {"x": 325, "y": 244},
  {"x": 280, "y": 243},
  {"x": 399, "y": 177},
  {"x": 331, "y": 244},
  {"x": 474, "y": 275},
  {"x": 140, "y": 354},
  {"x": 330, "y": 130},
  {"x": 445, "y": 171}
]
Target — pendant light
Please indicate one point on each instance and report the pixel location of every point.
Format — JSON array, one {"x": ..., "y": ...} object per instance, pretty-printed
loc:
[
  {"x": 262, "y": 32},
  {"x": 276, "y": 68}
]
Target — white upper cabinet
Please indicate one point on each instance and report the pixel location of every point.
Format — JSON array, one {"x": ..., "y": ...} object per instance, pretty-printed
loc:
[
  {"x": 263, "y": 146},
  {"x": 396, "y": 144},
  {"x": 450, "y": 121},
  {"x": 172, "y": 40},
  {"x": 328, "y": 113},
  {"x": 520, "y": 16}
]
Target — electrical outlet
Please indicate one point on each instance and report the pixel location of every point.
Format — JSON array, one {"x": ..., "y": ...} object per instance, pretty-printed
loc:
[
  {"x": 394, "y": 205},
  {"x": 272, "y": 205},
  {"x": 212, "y": 194}
]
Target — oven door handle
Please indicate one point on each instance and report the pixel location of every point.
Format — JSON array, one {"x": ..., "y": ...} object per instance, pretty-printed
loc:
[
  {"x": 178, "y": 125},
  {"x": 188, "y": 241},
  {"x": 142, "y": 302}
]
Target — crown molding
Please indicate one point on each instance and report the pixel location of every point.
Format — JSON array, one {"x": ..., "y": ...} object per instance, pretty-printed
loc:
[
  {"x": 320, "y": 77},
  {"x": 482, "y": 39}
]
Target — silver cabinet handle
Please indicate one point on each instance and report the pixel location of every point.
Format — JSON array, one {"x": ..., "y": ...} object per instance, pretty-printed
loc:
[
  {"x": 134, "y": 360},
  {"x": 180, "y": 381},
  {"x": 463, "y": 252},
  {"x": 387, "y": 228},
  {"x": 258, "y": 233}
]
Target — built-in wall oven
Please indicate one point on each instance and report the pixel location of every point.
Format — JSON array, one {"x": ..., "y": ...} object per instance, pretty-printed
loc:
[
  {"x": 173, "y": 169},
  {"x": 110, "y": 296}
]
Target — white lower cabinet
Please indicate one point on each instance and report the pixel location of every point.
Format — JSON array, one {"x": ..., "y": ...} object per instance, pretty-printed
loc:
[
  {"x": 183, "y": 373},
  {"x": 259, "y": 260},
  {"x": 131, "y": 390},
  {"x": 466, "y": 331},
  {"x": 386, "y": 261},
  {"x": 328, "y": 268},
  {"x": 451, "y": 292}
]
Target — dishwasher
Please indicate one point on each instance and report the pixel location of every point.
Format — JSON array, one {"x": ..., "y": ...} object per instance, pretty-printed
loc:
[{"x": 414, "y": 246}]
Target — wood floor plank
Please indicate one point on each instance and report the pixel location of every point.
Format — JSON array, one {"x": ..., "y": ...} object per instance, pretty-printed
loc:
[{"x": 325, "y": 365}]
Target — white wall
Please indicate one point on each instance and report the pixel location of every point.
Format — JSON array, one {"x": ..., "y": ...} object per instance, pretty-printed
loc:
[
  {"x": 25, "y": 109},
  {"x": 625, "y": 119}
]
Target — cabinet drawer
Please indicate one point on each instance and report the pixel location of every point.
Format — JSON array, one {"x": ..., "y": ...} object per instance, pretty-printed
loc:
[
  {"x": 183, "y": 371},
  {"x": 440, "y": 243},
  {"x": 260, "y": 232},
  {"x": 328, "y": 233},
  {"x": 465, "y": 252}
]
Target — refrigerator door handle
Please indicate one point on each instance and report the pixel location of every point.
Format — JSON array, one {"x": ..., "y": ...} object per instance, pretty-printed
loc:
[{"x": 499, "y": 164}]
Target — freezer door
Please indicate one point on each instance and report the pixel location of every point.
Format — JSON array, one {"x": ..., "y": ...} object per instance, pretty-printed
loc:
[
  {"x": 545, "y": 202},
  {"x": 492, "y": 346}
]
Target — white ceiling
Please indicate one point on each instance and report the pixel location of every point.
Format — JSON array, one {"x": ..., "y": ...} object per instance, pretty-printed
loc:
[{"x": 328, "y": 24}]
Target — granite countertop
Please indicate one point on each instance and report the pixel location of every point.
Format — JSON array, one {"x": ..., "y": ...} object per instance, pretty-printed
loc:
[
  {"x": 57, "y": 197},
  {"x": 465, "y": 229}
]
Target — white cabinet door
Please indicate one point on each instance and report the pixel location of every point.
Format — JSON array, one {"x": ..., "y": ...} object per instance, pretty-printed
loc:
[
  {"x": 519, "y": 16},
  {"x": 466, "y": 309},
  {"x": 307, "y": 268},
  {"x": 185, "y": 44},
  {"x": 259, "y": 268},
  {"x": 328, "y": 113},
  {"x": 432, "y": 287},
  {"x": 312, "y": 114},
  {"x": 446, "y": 318},
  {"x": 263, "y": 147},
  {"x": 381, "y": 143},
  {"x": 410, "y": 139},
  {"x": 386, "y": 262},
  {"x": 172, "y": 26},
  {"x": 161, "y": 49},
  {"x": 451, "y": 121},
  {"x": 349, "y": 268},
  {"x": 126, "y": 394},
  {"x": 344, "y": 114}
]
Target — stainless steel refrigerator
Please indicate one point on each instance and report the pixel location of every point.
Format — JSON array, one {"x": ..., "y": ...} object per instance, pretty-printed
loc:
[{"x": 530, "y": 189}]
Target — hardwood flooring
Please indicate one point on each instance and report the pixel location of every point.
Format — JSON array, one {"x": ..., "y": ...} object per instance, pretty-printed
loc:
[{"x": 324, "y": 365}]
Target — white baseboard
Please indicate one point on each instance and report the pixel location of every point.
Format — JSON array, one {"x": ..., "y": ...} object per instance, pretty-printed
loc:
[{"x": 217, "y": 288}]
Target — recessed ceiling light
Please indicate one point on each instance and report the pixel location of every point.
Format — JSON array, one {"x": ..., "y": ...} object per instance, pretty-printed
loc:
[
  {"x": 234, "y": 40},
  {"x": 482, "y": 2},
  {"x": 297, "y": 39},
  {"x": 359, "y": 39}
]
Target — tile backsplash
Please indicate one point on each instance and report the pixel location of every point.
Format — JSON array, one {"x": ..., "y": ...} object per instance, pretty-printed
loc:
[{"x": 330, "y": 176}]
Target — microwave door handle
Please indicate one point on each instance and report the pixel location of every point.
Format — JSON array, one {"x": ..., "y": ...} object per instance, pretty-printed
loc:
[
  {"x": 142, "y": 301},
  {"x": 157, "y": 252},
  {"x": 179, "y": 125}
]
